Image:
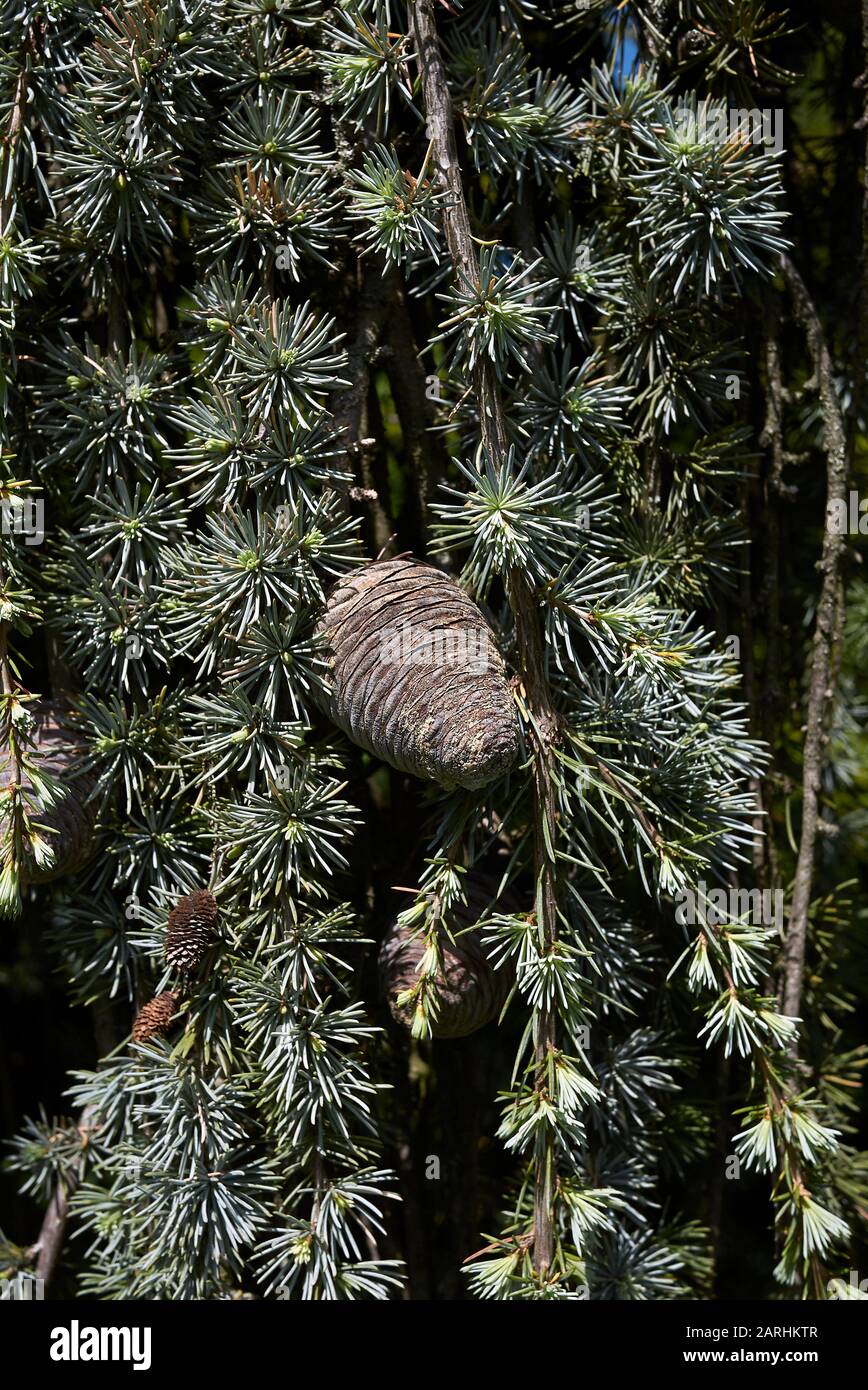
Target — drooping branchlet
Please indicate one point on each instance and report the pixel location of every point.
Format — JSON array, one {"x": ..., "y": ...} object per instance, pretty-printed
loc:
[{"x": 469, "y": 991}]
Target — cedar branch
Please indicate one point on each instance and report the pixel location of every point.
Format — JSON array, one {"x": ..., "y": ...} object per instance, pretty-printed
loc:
[
  {"x": 543, "y": 721},
  {"x": 821, "y": 690}
]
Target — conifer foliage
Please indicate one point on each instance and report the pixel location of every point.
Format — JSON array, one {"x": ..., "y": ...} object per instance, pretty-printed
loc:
[{"x": 292, "y": 295}]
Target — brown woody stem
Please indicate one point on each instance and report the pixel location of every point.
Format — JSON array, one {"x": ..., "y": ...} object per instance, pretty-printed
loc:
[
  {"x": 821, "y": 690},
  {"x": 543, "y": 722}
]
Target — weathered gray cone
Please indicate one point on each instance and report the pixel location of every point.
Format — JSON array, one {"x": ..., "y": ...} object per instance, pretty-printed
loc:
[
  {"x": 470, "y": 992},
  {"x": 70, "y": 823},
  {"x": 416, "y": 677}
]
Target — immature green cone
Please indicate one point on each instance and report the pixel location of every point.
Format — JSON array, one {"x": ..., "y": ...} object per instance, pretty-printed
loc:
[
  {"x": 191, "y": 929},
  {"x": 154, "y": 1018},
  {"x": 416, "y": 677}
]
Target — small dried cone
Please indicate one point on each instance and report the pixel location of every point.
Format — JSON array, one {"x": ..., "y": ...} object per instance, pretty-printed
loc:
[
  {"x": 416, "y": 677},
  {"x": 470, "y": 992},
  {"x": 69, "y": 826},
  {"x": 154, "y": 1018},
  {"x": 191, "y": 929}
]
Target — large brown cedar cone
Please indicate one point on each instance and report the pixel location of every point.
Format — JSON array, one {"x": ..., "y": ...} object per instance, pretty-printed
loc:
[
  {"x": 416, "y": 677},
  {"x": 154, "y": 1018},
  {"x": 191, "y": 929},
  {"x": 470, "y": 992},
  {"x": 70, "y": 824}
]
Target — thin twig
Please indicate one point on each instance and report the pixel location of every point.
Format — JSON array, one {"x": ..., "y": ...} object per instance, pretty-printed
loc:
[
  {"x": 828, "y": 619},
  {"x": 10, "y": 145},
  {"x": 407, "y": 379},
  {"x": 861, "y": 381},
  {"x": 49, "y": 1244},
  {"x": 375, "y": 291}
]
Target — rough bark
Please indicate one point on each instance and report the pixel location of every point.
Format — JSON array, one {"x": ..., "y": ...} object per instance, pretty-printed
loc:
[
  {"x": 820, "y": 692},
  {"x": 374, "y": 297}
]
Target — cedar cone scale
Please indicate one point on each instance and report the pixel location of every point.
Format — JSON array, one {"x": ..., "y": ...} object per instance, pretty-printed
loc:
[
  {"x": 470, "y": 992},
  {"x": 416, "y": 677},
  {"x": 70, "y": 824},
  {"x": 191, "y": 929},
  {"x": 154, "y": 1018}
]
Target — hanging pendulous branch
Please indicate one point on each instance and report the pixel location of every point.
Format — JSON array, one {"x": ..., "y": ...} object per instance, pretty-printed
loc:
[
  {"x": 543, "y": 722},
  {"x": 820, "y": 692}
]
